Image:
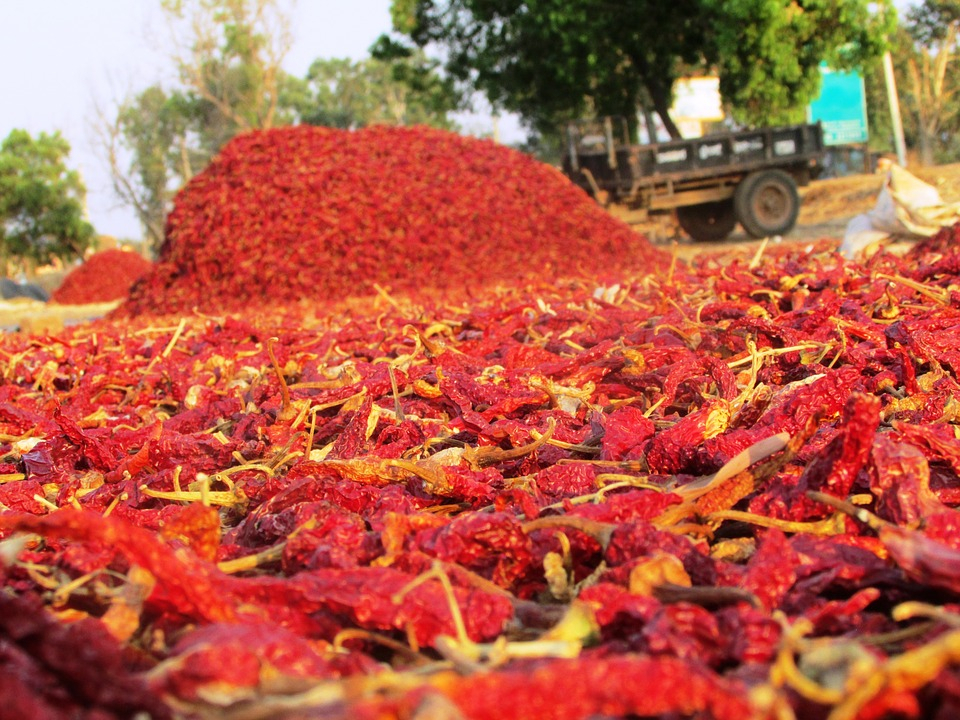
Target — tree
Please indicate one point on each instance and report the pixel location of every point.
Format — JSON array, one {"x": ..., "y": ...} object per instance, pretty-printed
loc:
[
  {"x": 41, "y": 200},
  {"x": 767, "y": 53},
  {"x": 879, "y": 120},
  {"x": 228, "y": 55},
  {"x": 551, "y": 60},
  {"x": 934, "y": 27},
  {"x": 146, "y": 144},
  {"x": 395, "y": 86}
]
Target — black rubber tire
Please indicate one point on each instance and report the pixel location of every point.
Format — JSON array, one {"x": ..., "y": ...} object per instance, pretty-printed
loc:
[
  {"x": 708, "y": 222},
  {"x": 767, "y": 203}
]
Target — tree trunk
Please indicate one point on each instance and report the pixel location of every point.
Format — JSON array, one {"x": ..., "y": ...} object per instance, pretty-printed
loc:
[
  {"x": 659, "y": 94},
  {"x": 661, "y": 103},
  {"x": 926, "y": 141}
]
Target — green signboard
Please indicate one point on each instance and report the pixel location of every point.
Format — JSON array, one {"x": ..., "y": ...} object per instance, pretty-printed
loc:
[{"x": 841, "y": 107}]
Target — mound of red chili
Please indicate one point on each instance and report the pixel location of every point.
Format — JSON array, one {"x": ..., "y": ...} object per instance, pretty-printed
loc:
[
  {"x": 104, "y": 276},
  {"x": 724, "y": 490},
  {"x": 307, "y": 213}
]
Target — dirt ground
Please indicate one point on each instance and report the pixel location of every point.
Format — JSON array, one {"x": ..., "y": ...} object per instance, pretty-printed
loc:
[{"x": 826, "y": 208}]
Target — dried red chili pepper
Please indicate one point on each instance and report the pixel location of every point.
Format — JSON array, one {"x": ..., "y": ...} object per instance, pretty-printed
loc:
[
  {"x": 491, "y": 544},
  {"x": 191, "y": 586},
  {"x": 237, "y": 661},
  {"x": 625, "y": 434},
  {"x": 836, "y": 469},
  {"x": 900, "y": 478}
]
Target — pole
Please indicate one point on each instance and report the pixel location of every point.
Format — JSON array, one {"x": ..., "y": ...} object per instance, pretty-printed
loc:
[{"x": 894, "y": 110}]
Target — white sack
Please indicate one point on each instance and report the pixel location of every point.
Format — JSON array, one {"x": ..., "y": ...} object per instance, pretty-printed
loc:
[{"x": 906, "y": 207}]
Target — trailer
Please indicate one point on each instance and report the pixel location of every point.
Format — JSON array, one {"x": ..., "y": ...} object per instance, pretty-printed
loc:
[{"x": 712, "y": 182}]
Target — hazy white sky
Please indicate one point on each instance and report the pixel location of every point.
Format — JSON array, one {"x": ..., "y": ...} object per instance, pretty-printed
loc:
[{"x": 59, "y": 57}]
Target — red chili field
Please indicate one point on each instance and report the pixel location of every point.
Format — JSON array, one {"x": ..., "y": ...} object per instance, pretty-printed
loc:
[{"x": 629, "y": 487}]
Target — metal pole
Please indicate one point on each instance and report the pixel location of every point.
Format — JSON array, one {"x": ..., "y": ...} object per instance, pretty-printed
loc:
[{"x": 894, "y": 110}]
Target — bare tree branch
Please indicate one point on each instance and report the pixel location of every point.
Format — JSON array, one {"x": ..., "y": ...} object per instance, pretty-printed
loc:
[{"x": 108, "y": 136}]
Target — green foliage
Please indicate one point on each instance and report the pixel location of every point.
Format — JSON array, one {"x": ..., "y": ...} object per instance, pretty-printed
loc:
[
  {"x": 880, "y": 124},
  {"x": 552, "y": 60},
  {"x": 395, "y": 87},
  {"x": 923, "y": 51},
  {"x": 767, "y": 53},
  {"x": 229, "y": 61},
  {"x": 41, "y": 200},
  {"x": 929, "y": 22}
]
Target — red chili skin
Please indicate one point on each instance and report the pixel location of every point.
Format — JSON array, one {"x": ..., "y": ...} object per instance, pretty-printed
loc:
[
  {"x": 43, "y": 657},
  {"x": 836, "y": 469},
  {"x": 772, "y": 571},
  {"x": 924, "y": 559},
  {"x": 193, "y": 586},
  {"x": 139, "y": 461},
  {"x": 900, "y": 478},
  {"x": 101, "y": 453},
  {"x": 311, "y": 602},
  {"x": 626, "y": 432},
  {"x": 241, "y": 656},
  {"x": 604, "y": 686}
]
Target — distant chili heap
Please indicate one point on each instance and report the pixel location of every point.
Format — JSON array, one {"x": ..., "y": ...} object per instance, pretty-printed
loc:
[
  {"x": 309, "y": 213},
  {"x": 104, "y": 276}
]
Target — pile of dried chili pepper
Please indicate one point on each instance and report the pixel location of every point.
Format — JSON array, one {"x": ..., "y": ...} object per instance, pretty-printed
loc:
[
  {"x": 308, "y": 213},
  {"x": 104, "y": 276},
  {"x": 724, "y": 490}
]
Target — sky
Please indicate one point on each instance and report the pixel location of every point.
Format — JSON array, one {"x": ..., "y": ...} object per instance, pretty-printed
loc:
[{"x": 61, "y": 59}]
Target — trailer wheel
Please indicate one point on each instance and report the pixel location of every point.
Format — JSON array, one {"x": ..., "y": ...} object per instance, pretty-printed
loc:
[
  {"x": 708, "y": 222},
  {"x": 767, "y": 203}
]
